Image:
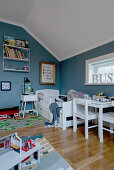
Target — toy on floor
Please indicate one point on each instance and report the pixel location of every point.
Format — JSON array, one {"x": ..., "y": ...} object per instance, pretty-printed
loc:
[{"x": 28, "y": 144}]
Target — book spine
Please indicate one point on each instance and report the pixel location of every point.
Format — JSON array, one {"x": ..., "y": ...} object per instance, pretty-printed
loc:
[
  {"x": 9, "y": 53},
  {"x": 19, "y": 54},
  {"x": 6, "y": 51},
  {"x": 14, "y": 53},
  {"x": 23, "y": 57}
]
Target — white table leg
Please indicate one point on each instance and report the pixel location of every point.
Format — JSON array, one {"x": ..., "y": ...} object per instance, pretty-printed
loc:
[
  {"x": 101, "y": 124},
  {"x": 74, "y": 123},
  {"x": 86, "y": 128},
  {"x": 64, "y": 123}
]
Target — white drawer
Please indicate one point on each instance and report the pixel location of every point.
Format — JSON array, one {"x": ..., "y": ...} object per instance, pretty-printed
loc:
[{"x": 28, "y": 98}]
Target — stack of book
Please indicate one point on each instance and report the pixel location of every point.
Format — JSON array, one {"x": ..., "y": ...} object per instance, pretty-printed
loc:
[{"x": 13, "y": 53}]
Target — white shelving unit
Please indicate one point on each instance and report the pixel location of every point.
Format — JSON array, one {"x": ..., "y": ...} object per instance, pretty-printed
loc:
[{"x": 16, "y": 64}]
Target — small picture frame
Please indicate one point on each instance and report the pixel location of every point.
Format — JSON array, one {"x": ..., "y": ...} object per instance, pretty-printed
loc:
[
  {"x": 5, "y": 85},
  {"x": 47, "y": 73}
]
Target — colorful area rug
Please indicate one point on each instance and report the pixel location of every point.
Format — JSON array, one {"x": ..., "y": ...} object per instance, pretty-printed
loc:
[
  {"x": 11, "y": 124},
  {"x": 50, "y": 159}
]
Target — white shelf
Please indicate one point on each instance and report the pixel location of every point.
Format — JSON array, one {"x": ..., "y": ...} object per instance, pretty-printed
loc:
[
  {"x": 22, "y": 48},
  {"x": 11, "y": 69},
  {"x": 16, "y": 59},
  {"x": 16, "y": 64}
]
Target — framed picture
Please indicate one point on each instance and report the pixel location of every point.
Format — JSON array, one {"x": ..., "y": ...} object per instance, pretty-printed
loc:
[
  {"x": 47, "y": 73},
  {"x": 5, "y": 85}
]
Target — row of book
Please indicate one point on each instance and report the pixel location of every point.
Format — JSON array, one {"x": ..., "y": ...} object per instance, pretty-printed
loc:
[{"x": 13, "y": 53}]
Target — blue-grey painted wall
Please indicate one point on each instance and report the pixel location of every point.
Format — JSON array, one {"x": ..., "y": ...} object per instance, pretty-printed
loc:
[
  {"x": 38, "y": 53},
  {"x": 73, "y": 72},
  {"x": 70, "y": 73}
]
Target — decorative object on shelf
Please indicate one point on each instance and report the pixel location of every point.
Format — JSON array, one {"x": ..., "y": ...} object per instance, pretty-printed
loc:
[
  {"x": 26, "y": 44},
  {"x": 27, "y": 86},
  {"x": 47, "y": 73},
  {"x": 98, "y": 96},
  {"x": 5, "y": 85},
  {"x": 9, "y": 40},
  {"x": 25, "y": 68},
  {"x": 20, "y": 43}
]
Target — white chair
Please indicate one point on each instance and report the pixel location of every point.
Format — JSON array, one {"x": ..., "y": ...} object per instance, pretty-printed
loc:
[
  {"x": 82, "y": 110},
  {"x": 108, "y": 117}
]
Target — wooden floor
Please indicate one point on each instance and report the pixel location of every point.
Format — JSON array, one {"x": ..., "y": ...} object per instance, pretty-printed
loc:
[{"x": 80, "y": 153}]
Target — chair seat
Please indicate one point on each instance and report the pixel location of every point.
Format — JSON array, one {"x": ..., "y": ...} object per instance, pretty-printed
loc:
[
  {"x": 81, "y": 109},
  {"x": 91, "y": 115},
  {"x": 108, "y": 117}
]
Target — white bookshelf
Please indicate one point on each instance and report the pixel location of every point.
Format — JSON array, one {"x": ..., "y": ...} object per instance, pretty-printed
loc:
[
  {"x": 16, "y": 64},
  {"x": 21, "y": 48}
]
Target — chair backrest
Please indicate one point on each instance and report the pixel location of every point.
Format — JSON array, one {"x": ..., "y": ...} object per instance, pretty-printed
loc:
[{"x": 81, "y": 105}]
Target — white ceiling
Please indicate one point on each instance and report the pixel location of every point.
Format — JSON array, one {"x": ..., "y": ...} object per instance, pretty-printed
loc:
[{"x": 66, "y": 27}]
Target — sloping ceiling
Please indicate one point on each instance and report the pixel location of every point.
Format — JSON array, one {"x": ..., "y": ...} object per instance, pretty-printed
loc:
[{"x": 66, "y": 27}]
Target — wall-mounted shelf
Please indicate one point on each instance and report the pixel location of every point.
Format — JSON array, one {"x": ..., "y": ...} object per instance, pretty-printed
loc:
[
  {"x": 16, "y": 58},
  {"x": 11, "y": 69},
  {"x": 21, "y": 48}
]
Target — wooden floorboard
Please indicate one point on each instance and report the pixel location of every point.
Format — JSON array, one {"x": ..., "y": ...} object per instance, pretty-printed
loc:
[{"x": 80, "y": 153}]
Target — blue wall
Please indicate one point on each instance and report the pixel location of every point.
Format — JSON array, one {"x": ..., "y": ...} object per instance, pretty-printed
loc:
[
  {"x": 38, "y": 53},
  {"x": 73, "y": 72},
  {"x": 70, "y": 73}
]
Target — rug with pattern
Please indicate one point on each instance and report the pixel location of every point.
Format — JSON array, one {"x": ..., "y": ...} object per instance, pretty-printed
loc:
[
  {"x": 11, "y": 124},
  {"x": 50, "y": 159}
]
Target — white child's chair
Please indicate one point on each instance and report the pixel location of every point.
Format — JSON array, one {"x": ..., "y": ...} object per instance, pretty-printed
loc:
[
  {"x": 83, "y": 111},
  {"x": 109, "y": 117}
]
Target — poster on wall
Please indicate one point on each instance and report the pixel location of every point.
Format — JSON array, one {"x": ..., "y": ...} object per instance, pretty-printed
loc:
[{"x": 47, "y": 73}]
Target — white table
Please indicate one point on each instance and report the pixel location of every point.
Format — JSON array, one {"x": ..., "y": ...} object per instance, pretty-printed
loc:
[
  {"x": 28, "y": 98},
  {"x": 100, "y": 106},
  {"x": 11, "y": 158}
]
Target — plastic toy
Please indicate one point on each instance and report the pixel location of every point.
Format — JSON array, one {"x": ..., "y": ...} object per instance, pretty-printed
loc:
[
  {"x": 10, "y": 142},
  {"x": 100, "y": 94},
  {"x": 28, "y": 144}
]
